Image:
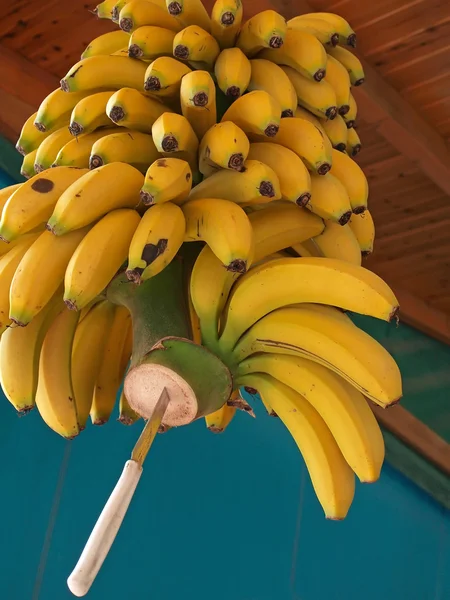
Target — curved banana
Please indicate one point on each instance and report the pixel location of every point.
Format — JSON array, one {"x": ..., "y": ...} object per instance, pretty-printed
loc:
[
  {"x": 6, "y": 193},
  {"x": 163, "y": 77},
  {"x": 266, "y": 29},
  {"x": 111, "y": 371},
  {"x": 330, "y": 199},
  {"x": 255, "y": 184},
  {"x": 332, "y": 479},
  {"x": 219, "y": 420},
  {"x": 301, "y": 51},
  {"x": 350, "y": 116},
  {"x": 132, "y": 109},
  {"x": 33, "y": 202},
  {"x": 270, "y": 78},
  {"x": 90, "y": 114},
  {"x": 352, "y": 178},
  {"x": 350, "y": 62},
  {"x": 196, "y": 46},
  {"x": 303, "y": 113},
  {"x": 325, "y": 32},
  {"x": 115, "y": 185},
  {"x": 149, "y": 42},
  {"x": 341, "y": 347},
  {"x": 353, "y": 142},
  {"x": 224, "y": 146},
  {"x": 173, "y": 135},
  {"x": 6, "y": 247},
  {"x": 133, "y": 147},
  {"x": 198, "y": 101},
  {"x": 49, "y": 148},
  {"x": 156, "y": 241},
  {"x": 166, "y": 180},
  {"x": 346, "y": 34},
  {"x": 103, "y": 10},
  {"x": 27, "y": 167},
  {"x": 318, "y": 97},
  {"x": 98, "y": 257},
  {"x": 138, "y": 13},
  {"x": 224, "y": 226},
  {"x": 127, "y": 416},
  {"x": 30, "y": 138},
  {"x": 106, "y": 44},
  {"x": 233, "y": 71},
  {"x": 339, "y": 79},
  {"x": 55, "y": 109},
  {"x": 337, "y": 241},
  {"x": 337, "y": 132},
  {"x": 190, "y": 12},
  {"x": 107, "y": 72},
  {"x": 299, "y": 280},
  {"x": 226, "y": 19},
  {"x": 363, "y": 228},
  {"x": 77, "y": 151},
  {"x": 255, "y": 113}
]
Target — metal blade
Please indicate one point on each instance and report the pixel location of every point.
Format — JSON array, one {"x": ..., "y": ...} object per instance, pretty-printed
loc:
[{"x": 150, "y": 430}]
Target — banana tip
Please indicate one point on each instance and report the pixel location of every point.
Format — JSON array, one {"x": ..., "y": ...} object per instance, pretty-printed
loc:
[
  {"x": 215, "y": 429},
  {"x": 271, "y": 130},
  {"x": 345, "y": 218},
  {"x": 40, "y": 127},
  {"x": 146, "y": 198},
  {"x": 287, "y": 113},
  {"x": 134, "y": 51},
  {"x": 64, "y": 85},
  {"x": 175, "y": 8},
  {"x": 358, "y": 210},
  {"x": 181, "y": 52},
  {"x": 237, "y": 266},
  {"x": 71, "y": 304},
  {"x": 17, "y": 322},
  {"x": 134, "y": 275},
  {"x": 343, "y": 109},
  {"x": 276, "y": 41},
  {"x": 319, "y": 75},
  {"x": 351, "y": 40},
  {"x": 20, "y": 149},
  {"x": 303, "y": 199},
  {"x": 152, "y": 84},
  {"x": 227, "y": 18},
  {"x": 126, "y": 24}
]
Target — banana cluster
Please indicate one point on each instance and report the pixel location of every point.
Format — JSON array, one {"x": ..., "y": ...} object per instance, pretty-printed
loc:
[{"x": 182, "y": 127}]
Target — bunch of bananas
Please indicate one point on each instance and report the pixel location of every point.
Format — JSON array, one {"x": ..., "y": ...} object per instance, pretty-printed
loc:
[{"x": 182, "y": 127}]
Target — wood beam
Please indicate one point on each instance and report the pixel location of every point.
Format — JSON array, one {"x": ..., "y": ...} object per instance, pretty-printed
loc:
[{"x": 418, "y": 314}]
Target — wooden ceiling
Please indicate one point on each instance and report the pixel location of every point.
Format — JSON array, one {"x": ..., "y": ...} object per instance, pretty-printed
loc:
[{"x": 403, "y": 120}]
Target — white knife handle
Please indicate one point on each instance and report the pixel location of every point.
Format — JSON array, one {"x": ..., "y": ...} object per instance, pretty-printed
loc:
[{"x": 105, "y": 530}]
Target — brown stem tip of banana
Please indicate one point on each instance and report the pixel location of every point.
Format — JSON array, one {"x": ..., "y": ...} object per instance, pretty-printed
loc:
[
  {"x": 152, "y": 84},
  {"x": 169, "y": 143},
  {"x": 323, "y": 169},
  {"x": 271, "y": 130},
  {"x": 75, "y": 128},
  {"x": 135, "y": 52},
  {"x": 181, "y": 51},
  {"x": 175, "y": 8},
  {"x": 343, "y": 110},
  {"x": 303, "y": 200},
  {"x": 40, "y": 127},
  {"x": 266, "y": 189},
  {"x": 95, "y": 161},
  {"x": 227, "y": 19},
  {"x": 237, "y": 266},
  {"x": 287, "y": 113},
  {"x": 345, "y": 218},
  {"x": 126, "y": 24},
  {"x": 117, "y": 114},
  {"x": 331, "y": 113},
  {"x": 200, "y": 99},
  {"x": 319, "y": 75},
  {"x": 149, "y": 254},
  {"x": 236, "y": 161},
  {"x": 233, "y": 91},
  {"x": 146, "y": 198},
  {"x": 276, "y": 41}
]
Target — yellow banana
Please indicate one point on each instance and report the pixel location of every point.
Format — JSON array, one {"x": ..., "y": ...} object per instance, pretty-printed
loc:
[
  {"x": 115, "y": 185},
  {"x": 350, "y": 62},
  {"x": 103, "y": 10},
  {"x": 163, "y": 77},
  {"x": 353, "y": 142},
  {"x": 233, "y": 71},
  {"x": 132, "y": 109},
  {"x": 306, "y": 249},
  {"x": 190, "y": 12},
  {"x": 332, "y": 479},
  {"x": 27, "y": 167},
  {"x": 132, "y": 147},
  {"x": 299, "y": 280},
  {"x": 90, "y": 113},
  {"x": 49, "y": 148},
  {"x": 156, "y": 241},
  {"x": 226, "y": 19},
  {"x": 266, "y": 29},
  {"x": 302, "y": 113},
  {"x": 30, "y": 138},
  {"x": 127, "y": 416},
  {"x": 337, "y": 132},
  {"x": 318, "y": 97},
  {"x": 339, "y": 346},
  {"x": 255, "y": 113},
  {"x": 219, "y": 420},
  {"x": 198, "y": 101},
  {"x": 138, "y": 13},
  {"x": 224, "y": 226},
  {"x": 55, "y": 109},
  {"x": 301, "y": 51},
  {"x": 339, "y": 242},
  {"x": 98, "y": 257},
  {"x": 330, "y": 199},
  {"x": 196, "y": 46},
  {"x": 107, "y": 72},
  {"x": 339, "y": 79},
  {"x": 173, "y": 135},
  {"x": 55, "y": 397},
  {"x": 294, "y": 178},
  {"x": 77, "y": 151},
  {"x": 166, "y": 180},
  {"x": 149, "y": 42},
  {"x": 325, "y": 32},
  {"x": 352, "y": 178},
  {"x": 224, "y": 146},
  {"x": 350, "y": 116},
  {"x": 6, "y": 193},
  {"x": 363, "y": 228},
  {"x": 270, "y": 78},
  {"x": 344, "y": 409},
  {"x": 33, "y": 202},
  {"x": 6, "y": 247},
  {"x": 346, "y": 34},
  {"x": 110, "y": 374},
  {"x": 88, "y": 350},
  {"x": 107, "y": 43},
  {"x": 30, "y": 291}
]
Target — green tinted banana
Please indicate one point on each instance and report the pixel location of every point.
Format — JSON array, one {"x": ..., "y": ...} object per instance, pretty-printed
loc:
[
  {"x": 219, "y": 420},
  {"x": 353, "y": 142},
  {"x": 363, "y": 228},
  {"x": 337, "y": 132},
  {"x": 196, "y": 46},
  {"x": 166, "y": 180},
  {"x": 107, "y": 43},
  {"x": 224, "y": 146},
  {"x": 163, "y": 77},
  {"x": 132, "y": 109},
  {"x": 350, "y": 62},
  {"x": 107, "y": 72},
  {"x": 55, "y": 109},
  {"x": 339, "y": 79},
  {"x": 30, "y": 138},
  {"x": 173, "y": 136},
  {"x": 198, "y": 101},
  {"x": 77, "y": 151},
  {"x": 149, "y": 42},
  {"x": 266, "y": 29},
  {"x": 49, "y": 148},
  {"x": 226, "y": 19},
  {"x": 138, "y": 13},
  {"x": 302, "y": 113},
  {"x": 233, "y": 71},
  {"x": 133, "y": 147},
  {"x": 353, "y": 179},
  {"x": 103, "y": 10},
  {"x": 350, "y": 116},
  {"x": 255, "y": 113},
  {"x": 90, "y": 113},
  {"x": 269, "y": 77},
  {"x": 6, "y": 193},
  {"x": 330, "y": 199},
  {"x": 346, "y": 34},
  {"x": 27, "y": 167},
  {"x": 318, "y": 97},
  {"x": 339, "y": 242}
]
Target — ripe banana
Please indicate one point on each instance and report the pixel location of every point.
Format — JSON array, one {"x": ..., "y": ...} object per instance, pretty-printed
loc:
[
  {"x": 344, "y": 409},
  {"x": 219, "y": 420},
  {"x": 173, "y": 136},
  {"x": 350, "y": 62},
  {"x": 98, "y": 257},
  {"x": 77, "y": 151},
  {"x": 233, "y": 71},
  {"x": 198, "y": 101},
  {"x": 27, "y": 167},
  {"x": 163, "y": 77},
  {"x": 255, "y": 113},
  {"x": 224, "y": 226},
  {"x": 190, "y": 12},
  {"x": 6, "y": 247},
  {"x": 339, "y": 242},
  {"x": 301, "y": 51},
  {"x": 256, "y": 183},
  {"x": 115, "y": 185},
  {"x": 270, "y": 78},
  {"x": 350, "y": 116},
  {"x": 346, "y": 34},
  {"x": 332, "y": 479},
  {"x": 224, "y": 146},
  {"x": 138, "y": 13},
  {"x": 166, "y": 180},
  {"x": 49, "y": 148},
  {"x": 127, "y": 416},
  {"x": 339, "y": 79},
  {"x": 287, "y": 281},
  {"x": 302, "y": 113},
  {"x": 316, "y": 96},
  {"x": 266, "y": 29},
  {"x": 111, "y": 370},
  {"x": 330, "y": 199},
  {"x": 40, "y": 273},
  {"x": 352, "y": 178},
  {"x": 107, "y": 43},
  {"x": 103, "y": 10},
  {"x": 353, "y": 142},
  {"x": 33, "y": 202},
  {"x": 149, "y": 42},
  {"x": 132, "y": 109},
  {"x": 6, "y": 193},
  {"x": 156, "y": 241},
  {"x": 226, "y": 19},
  {"x": 196, "y": 46},
  {"x": 107, "y": 72},
  {"x": 337, "y": 132},
  {"x": 132, "y": 147},
  {"x": 341, "y": 347},
  {"x": 88, "y": 350},
  {"x": 90, "y": 113},
  {"x": 325, "y": 32},
  {"x": 30, "y": 138},
  {"x": 363, "y": 228},
  {"x": 54, "y": 111}
]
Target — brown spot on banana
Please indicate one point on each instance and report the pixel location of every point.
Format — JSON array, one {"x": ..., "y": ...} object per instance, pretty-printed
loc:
[{"x": 42, "y": 185}]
